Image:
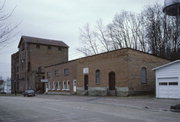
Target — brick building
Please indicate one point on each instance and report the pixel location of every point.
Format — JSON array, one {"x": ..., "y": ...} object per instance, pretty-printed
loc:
[
  {"x": 28, "y": 63},
  {"x": 62, "y": 77},
  {"x": 121, "y": 72},
  {"x": 15, "y": 71}
]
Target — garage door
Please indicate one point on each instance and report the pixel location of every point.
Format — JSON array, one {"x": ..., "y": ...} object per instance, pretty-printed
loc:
[{"x": 168, "y": 88}]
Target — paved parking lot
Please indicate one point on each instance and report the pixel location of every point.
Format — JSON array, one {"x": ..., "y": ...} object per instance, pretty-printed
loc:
[{"x": 55, "y": 108}]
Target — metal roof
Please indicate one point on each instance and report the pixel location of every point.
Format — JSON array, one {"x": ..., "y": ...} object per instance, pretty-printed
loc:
[
  {"x": 162, "y": 66},
  {"x": 172, "y": 7},
  {"x": 36, "y": 40}
]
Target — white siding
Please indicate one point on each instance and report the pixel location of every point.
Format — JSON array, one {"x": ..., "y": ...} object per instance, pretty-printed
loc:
[
  {"x": 169, "y": 73},
  {"x": 172, "y": 70}
]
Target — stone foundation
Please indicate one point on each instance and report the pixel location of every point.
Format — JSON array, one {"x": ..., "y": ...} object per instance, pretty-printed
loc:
[
  {"x": 81, "y": 91},
  {"x": 97, "y": 91},
  {"x": 122, "y": 91},
  {"x": 102, "y": 91}
]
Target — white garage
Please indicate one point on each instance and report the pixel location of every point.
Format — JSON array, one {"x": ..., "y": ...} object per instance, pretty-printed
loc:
[{"x": 168, "y": 80}]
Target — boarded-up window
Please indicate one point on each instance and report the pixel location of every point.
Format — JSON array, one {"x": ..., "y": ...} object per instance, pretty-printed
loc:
[
  {"x": 143, "y": 75},
  {"x": 97, "y": 76}
]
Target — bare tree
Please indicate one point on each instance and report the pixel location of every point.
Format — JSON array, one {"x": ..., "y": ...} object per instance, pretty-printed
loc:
[
  {"x": 161, "y": 32},
  {"x": 89, "y": 43},
  {"x": 102, "y": 36},
  {"x": 6, "y": 29},
  {"x": 150, "y": 31}
]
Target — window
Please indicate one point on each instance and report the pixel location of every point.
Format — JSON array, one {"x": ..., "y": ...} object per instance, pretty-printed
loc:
[
  {"x": 64, "y": 85},
  {"x": 143, "y": 75},
  {"x": 56, "y": 85},
  {"x": 163, "y": 83},
  {"x": 29, "y": 66},
  {"x": 49, "y": 85},
  {"x": 97, "y": 76},
  {"x": 66, "y": 71},
  {"x": 48, "y": 74},
  {"x": 49, "y": 47},
  {"x": 37, "y": 46},
  {"x": 53, "y": 85},
  {"x": 57, "y": 73},
  {"x": 68, "y": 85},
  {"x": 59, "y": 85},
  {"x": 59, "y": 48},
  {"x": 173, "y": 83}
]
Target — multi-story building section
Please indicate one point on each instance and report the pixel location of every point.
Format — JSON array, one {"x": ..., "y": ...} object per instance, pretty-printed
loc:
[
  {"x": 28, "y": 63},
  {"x": 15, "y": 71}
]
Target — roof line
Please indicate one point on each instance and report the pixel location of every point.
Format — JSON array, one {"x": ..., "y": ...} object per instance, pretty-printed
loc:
[
  {"x": 43, "y": 41},
  {"x": 106, "y": 53},
  {"x": 166, "y": 65}
]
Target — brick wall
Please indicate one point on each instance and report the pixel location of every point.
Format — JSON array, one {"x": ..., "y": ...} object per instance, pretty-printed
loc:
[
  {"x": 71, "y": 76},
  {"x": 127, "y": 64},
  {"x": 137, "y": 60},
  {"x": 32, "y": 59}
]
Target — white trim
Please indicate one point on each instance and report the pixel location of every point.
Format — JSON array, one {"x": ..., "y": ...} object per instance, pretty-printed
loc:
[
  {"x": 58, "y": 86},
  {"x": 74, "y": 85},
  {"x": 166, "y": 65},
  {"x": 68, "y": 85},
  {"x": 53, "y": 85},
  {"x": 49, "y": 85},
  {"x": 64, "y": 82}
]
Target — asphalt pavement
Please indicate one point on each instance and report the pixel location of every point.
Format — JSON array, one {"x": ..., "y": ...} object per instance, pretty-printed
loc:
[{"x": 60, "y": 108}]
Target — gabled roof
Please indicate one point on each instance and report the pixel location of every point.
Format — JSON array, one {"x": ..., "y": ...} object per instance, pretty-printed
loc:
[
  {"x": 36, "y": 40},
  {"x": 162, "y": 66}
]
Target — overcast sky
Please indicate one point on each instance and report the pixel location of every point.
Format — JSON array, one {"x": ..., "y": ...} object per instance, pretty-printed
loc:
[{"x": 61, "y": 20}]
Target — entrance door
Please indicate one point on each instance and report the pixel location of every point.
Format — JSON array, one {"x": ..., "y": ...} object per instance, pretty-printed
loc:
[
  {"x": 85, "y": 82},
  {"x": 112, "y": 81}
]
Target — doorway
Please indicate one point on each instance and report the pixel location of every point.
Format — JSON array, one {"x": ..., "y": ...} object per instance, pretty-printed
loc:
[
  {"x": 86, "y": 82},
  {"x": 112, "y": 81}
]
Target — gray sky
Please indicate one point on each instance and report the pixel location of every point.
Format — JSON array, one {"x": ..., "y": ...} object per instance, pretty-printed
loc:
[{"x": 61, "y": 20}]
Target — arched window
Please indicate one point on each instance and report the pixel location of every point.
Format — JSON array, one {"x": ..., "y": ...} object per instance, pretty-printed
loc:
[
  {"x": 143, "y": 75},
  {"x": 56, "y": 85},
  {"x": 98, "y": 76},
  {"x": 68, "y": 85}
]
